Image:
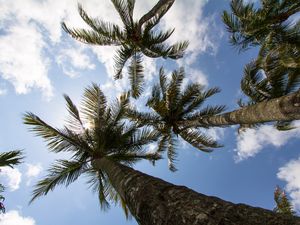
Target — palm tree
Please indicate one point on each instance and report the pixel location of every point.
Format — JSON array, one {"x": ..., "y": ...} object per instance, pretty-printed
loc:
[
  {"x": 170, "y": 105},
  {"x": 136, "y": 38},
  {"x": 103, "y": 146},
  {"x": 176, "y": 112},
  {"x": 10, "y": 159},
  {"x": 283, "y": 205},
  {"x": 263, "y": 82},
  {"x": 99, "y": 134},
  {"x": 264, "y": 26},
  {"x": 270, "y": 28}
]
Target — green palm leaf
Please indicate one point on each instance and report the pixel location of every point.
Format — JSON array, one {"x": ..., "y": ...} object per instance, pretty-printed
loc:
[
  {"x": 63, "y": 172},
  {"x": 135, "y": 39},
  {"x": 173, "y": 108},
  {"x": 108, "y": 136},
  {"x": 136, "y": 75},
  {"x": 10, "y": 158}
]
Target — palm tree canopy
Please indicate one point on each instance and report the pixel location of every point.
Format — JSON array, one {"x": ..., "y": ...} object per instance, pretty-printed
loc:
[
  {"x": 172, "y": 105},
  {"x": 267, "y": 25},
  {"x": 135, "y": 39},
  {"x": 266, "y": 79},
  {"x": 275, "y": 72},
  {"x": 92, "y": 132}
]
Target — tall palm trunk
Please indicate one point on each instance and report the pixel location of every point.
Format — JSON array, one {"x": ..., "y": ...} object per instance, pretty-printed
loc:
[
  {"x": 154, "y": 201},
  {"x": 285, "y": 108}
]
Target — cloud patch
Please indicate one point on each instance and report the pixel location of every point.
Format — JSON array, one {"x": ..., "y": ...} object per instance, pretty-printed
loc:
[
  {"x": 12, "y": 178},
  {"x": 33, "y": 170},
  {"x": 290, "y": 174},
  {"x": 22, "y": 61},
  {"x": 252, "y": 141},
  {"x": 13, "y": 217},
  {"x": 71, "y": 59}
]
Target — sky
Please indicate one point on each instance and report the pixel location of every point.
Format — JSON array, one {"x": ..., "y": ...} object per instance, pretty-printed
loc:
[{"x": 39, "y": 63}]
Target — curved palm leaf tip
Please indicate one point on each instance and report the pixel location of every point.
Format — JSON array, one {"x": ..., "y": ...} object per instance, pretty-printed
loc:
[
  {"x": 11, "y": 158},
  {"x": 135, "y": 38},
  {"x": 95, "y": 131},
  {"x": 172, "y": 106}
]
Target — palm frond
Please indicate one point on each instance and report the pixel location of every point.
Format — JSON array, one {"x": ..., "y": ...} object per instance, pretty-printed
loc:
[
  {"x": 206, "y": 112},
  {"x": 89, "y": 36},
  {"x": 199, "y": 100},
  {"x": 97, "y": 181},
  {"x": 62, "y": 172},
  {"x": 11, "y": 158},
  {"x": 94, "y": 104},
  {"x": 123, "y": 54},
  {"x": 118, "y": 109},
  {"x": 151, "y": 23},
  {"x": 157, "y": 37},
  {"x": 199, "y": 140},
  {"x": 125, "y": 10},
  {"x": 106, "y": 29},
  {"x": 136, "y": 76},
  {"x": 163, "y": 83},
  {"x": 57, "y": 140},
  {"x": 142, "y": 118},
  {"x": 190, "y": 93},
  {"x": 174, "y": 87},
  {"x": 176, "y": 51},
  {"x": 74, "y": 121},
  {"x": 140, "y": 138}
]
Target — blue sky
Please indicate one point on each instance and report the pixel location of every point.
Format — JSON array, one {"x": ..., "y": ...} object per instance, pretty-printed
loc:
[{"x": 39, "y": 63}]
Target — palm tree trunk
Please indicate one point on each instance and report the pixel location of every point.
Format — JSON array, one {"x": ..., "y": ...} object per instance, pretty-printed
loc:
[
  {"x": 154, "y": 201},
  {"x": 285, "y": 108},
  {"x": 153, "y": 12}
]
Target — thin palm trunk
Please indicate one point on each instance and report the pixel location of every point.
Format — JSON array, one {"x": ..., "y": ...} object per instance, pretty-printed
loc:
[
  {"x": 285, "y": 108},
  {"x": 154, "y": 201}
]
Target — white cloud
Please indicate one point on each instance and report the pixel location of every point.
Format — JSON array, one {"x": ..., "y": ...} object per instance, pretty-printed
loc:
[
  {"x": 290, "y": 174},
  {"x": 33, "y": 170},
  {"x": 252, "y": 141},
  {"x": 22, "y": 61},
  {"x": 30, "y": 31},
  {"x": 194, "y": 76},
  {"x": 13, "y": 217},
  {"x": 12, "y": 178},
  {"x": 74, "y": 58},
  {"x": 202, "y": 33},
  {"x": 216, "y": 133}
]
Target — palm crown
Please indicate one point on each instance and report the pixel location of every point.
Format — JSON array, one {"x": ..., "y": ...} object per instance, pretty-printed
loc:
[
  {"x": 172, "y": 107},
  {"x": 100, "y": 132},
  {"x": 262, "y": 26},
  {"x": 136, "y": 38}
]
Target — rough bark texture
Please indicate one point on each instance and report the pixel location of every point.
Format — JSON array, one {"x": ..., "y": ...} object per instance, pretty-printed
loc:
[
  {"x": 285, "y": 108},
  {"x": 153, "y": 201}
]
